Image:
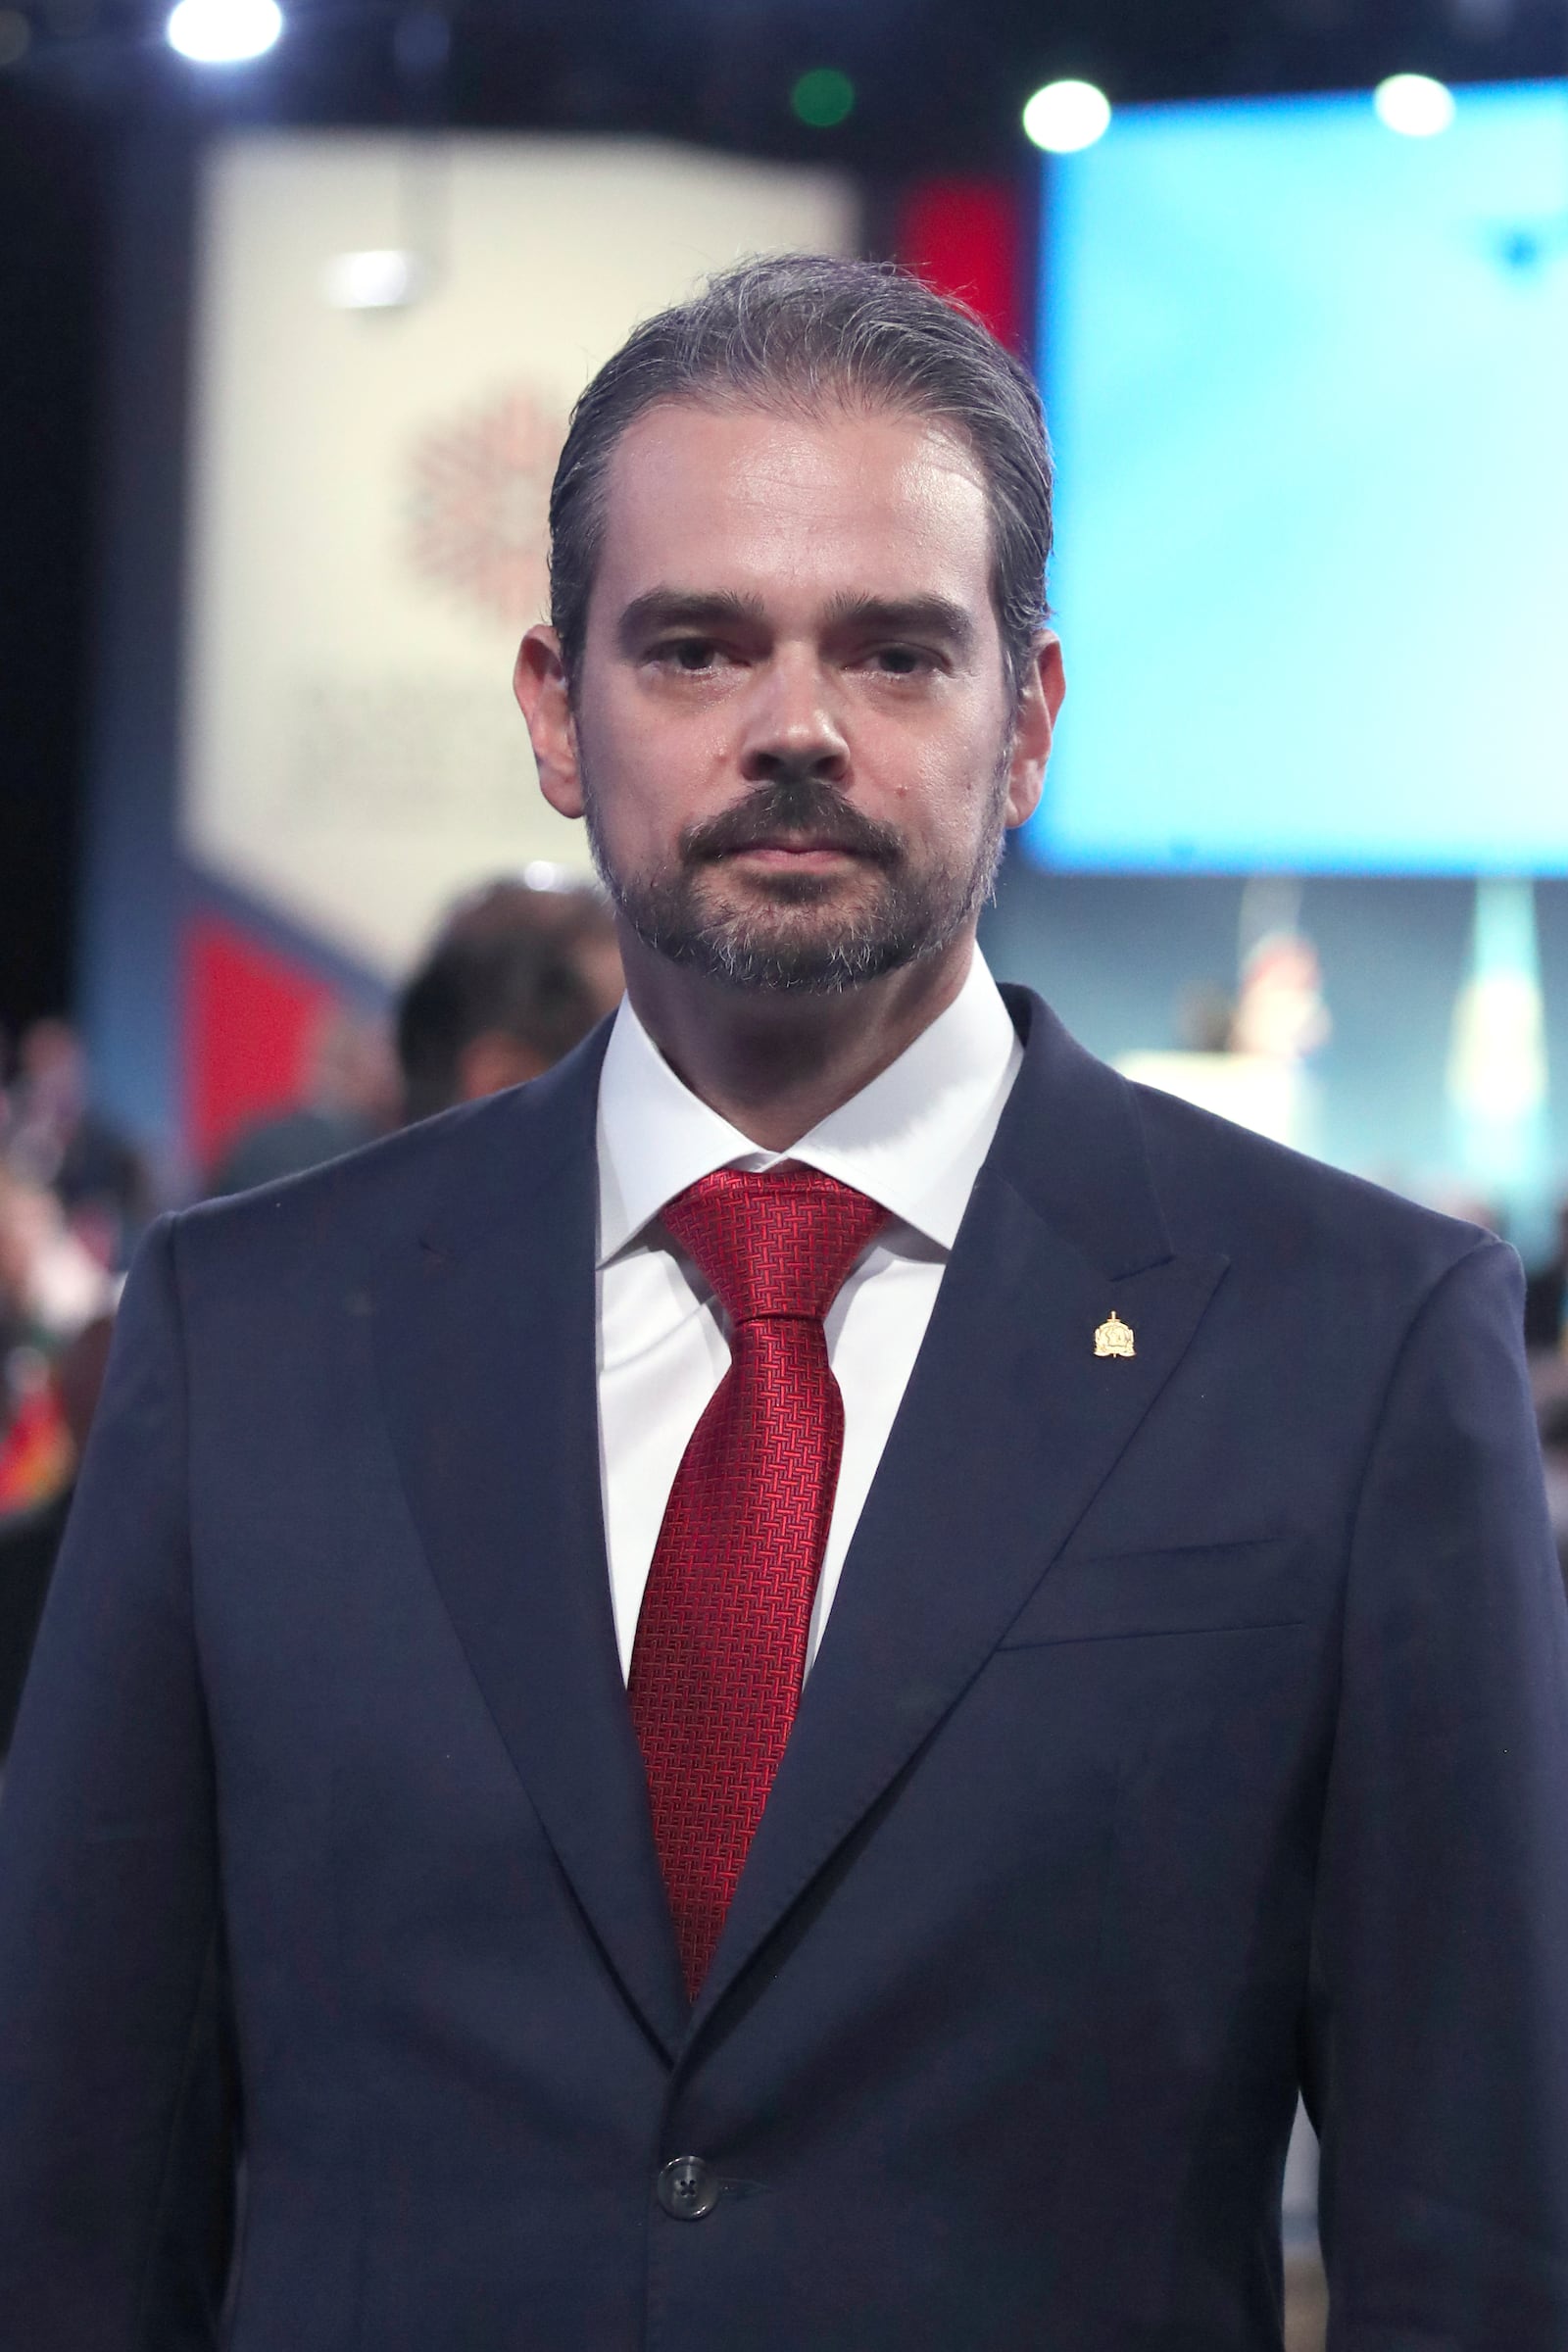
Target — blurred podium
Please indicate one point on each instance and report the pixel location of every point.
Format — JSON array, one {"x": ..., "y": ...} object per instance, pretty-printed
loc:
[{"x": 1262, "y": 1091}]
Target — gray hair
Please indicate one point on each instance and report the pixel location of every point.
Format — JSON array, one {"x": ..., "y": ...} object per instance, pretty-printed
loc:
[{"x": 802, "y": 330}]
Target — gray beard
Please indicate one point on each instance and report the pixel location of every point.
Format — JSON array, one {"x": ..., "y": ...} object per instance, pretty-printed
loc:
[{"x": 778, "y": 950}]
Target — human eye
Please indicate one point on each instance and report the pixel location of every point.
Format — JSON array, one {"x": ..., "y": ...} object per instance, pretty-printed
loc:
[
  {"x": 902, "y": 661},
  {"x": 688, "y": 657}
]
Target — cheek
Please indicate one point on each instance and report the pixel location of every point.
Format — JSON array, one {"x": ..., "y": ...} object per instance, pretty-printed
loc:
[
  {"x": 945, "y": 779},
  {"x": 649, "y": 775}
]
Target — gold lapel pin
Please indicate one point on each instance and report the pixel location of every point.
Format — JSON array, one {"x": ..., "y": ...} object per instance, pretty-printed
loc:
[{"x": 1114, "y": 1337}]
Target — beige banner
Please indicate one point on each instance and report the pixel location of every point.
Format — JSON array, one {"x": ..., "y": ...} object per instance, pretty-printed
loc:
[{"x": 369, "y": 486}]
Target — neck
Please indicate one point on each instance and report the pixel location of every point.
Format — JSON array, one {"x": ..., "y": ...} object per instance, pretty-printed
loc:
[{"x": 773, "y": 1066}]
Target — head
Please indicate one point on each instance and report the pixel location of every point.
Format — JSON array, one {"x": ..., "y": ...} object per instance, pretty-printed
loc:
[
  {"x": 517, "y": 977},
  {"x": 52, "y": 1066},
  {"x": 799, "y": 680}
]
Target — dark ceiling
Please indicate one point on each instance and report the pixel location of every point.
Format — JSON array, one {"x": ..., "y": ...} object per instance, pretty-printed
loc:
[{"x": 938, "y": 82}]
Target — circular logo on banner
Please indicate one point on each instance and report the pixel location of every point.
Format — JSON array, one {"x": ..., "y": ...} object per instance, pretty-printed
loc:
[{"x": 478, "y": 505}]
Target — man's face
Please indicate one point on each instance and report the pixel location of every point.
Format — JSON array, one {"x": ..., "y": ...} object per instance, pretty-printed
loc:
[{"x": 793, "y": 732}]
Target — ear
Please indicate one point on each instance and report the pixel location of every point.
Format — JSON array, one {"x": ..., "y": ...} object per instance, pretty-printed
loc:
[
  {"x": 1034, "y": 722},
  {"x": 539, "y": 682}
]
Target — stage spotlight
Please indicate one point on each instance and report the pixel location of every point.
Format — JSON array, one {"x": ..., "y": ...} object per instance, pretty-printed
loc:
[
  {"x": 1414, "y": 105},
  {"x": 1065, "y": 115},
  {"x": 224, "y": 32}
]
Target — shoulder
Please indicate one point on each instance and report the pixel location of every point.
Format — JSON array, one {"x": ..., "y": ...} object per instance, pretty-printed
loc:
[
  {"x": 1266, "y": 1207},
  {"x": 457, "y": 1170},
  {"x": 1156, "y": 1173}
]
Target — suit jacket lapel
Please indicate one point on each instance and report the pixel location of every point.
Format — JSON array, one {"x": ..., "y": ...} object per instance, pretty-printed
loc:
[
  {"x": 486, "y": 1347},
  {"x": 1009, "y": 1425}
]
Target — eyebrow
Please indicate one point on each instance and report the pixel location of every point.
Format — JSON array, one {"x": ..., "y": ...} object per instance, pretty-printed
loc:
[
  {"x": 685, "y": 609},
  {"x": 658, "y": 609},
  {"x": 906, "y": 616}
]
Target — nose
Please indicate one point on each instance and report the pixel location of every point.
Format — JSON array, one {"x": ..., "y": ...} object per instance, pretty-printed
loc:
[{"x": 791, "y": 726}]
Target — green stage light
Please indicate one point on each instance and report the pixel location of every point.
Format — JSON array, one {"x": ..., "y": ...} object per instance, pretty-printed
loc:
[{"x": 823, "y": 98}]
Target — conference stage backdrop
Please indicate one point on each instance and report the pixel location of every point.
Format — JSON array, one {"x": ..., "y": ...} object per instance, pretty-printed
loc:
[{"x": 389, "y": 334}]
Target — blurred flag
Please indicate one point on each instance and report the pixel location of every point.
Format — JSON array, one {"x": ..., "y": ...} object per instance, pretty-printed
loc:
[{"x": 1496, "y": 1083}]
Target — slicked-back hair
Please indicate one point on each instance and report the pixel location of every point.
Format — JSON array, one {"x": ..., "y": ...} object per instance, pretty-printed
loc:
[{"x": 805, "y": 332}]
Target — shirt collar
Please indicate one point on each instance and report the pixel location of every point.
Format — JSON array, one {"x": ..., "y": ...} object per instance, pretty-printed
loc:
[{"x": 913, "y": 1139}]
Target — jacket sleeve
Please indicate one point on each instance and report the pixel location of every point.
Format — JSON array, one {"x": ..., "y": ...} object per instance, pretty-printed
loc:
[
  {"x": 1438, "y": 2040},
  {"x": 116, "y": 2090}
]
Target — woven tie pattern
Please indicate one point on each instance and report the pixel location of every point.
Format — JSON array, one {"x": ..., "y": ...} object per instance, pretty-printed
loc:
[{"x": 720, "y": 1649}]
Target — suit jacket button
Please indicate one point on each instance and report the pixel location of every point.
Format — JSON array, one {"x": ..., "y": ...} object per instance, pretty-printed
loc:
[{"x": 687, "y": 2189}]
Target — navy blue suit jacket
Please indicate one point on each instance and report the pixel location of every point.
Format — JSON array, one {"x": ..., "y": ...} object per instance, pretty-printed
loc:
[{"x": 1186, "y": 1726}]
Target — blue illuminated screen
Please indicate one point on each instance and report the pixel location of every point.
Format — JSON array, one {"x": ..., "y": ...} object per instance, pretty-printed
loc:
[{"x": 1308, "y": 386}]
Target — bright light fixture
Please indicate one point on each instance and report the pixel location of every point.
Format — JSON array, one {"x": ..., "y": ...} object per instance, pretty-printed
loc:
[
  {"x": 1065, "y": 115},
  {"x": 224, "y": 32},
  {"x": 379, "y": 278},
  {"x": 1414, "y": 105}
]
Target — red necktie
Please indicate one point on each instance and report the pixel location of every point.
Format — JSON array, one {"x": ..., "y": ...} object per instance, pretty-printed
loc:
[{"x": 720, "y": 1649}]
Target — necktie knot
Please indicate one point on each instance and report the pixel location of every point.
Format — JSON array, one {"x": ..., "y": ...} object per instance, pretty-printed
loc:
[{"x": 779, "y": 1243}]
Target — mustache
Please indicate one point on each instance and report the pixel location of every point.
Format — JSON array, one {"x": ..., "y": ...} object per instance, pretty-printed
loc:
[{"x": 792, "y": 803}]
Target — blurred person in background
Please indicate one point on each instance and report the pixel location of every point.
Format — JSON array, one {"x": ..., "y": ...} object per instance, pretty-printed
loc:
[
  {"x": 51, "y": 1287},
  {"x": 1546, "y": 1296},
  {"x": 56, "y": 1316},
  {"x": 52, "y": 1137},
  {"x": 31, "y": 1535},
  {"x": 517, "y": 974},
  {"x": 1546, "y": 1339},
  {"x": 349, "y": 1098}
]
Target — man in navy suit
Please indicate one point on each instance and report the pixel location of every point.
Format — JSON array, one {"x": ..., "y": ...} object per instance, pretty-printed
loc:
[{"x": 1142, "y": 1679}]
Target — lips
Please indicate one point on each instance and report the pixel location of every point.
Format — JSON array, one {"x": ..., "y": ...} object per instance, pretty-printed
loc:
[
  {"x": 794, "y": 847},
  {"x": 790, "y": 820}
]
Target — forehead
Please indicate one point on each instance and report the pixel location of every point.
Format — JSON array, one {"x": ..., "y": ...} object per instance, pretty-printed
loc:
[{"x": 793, "y": 505}]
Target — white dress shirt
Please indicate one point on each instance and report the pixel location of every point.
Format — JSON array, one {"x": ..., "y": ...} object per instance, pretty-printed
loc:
[{"x": 913, "y": 1139}]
